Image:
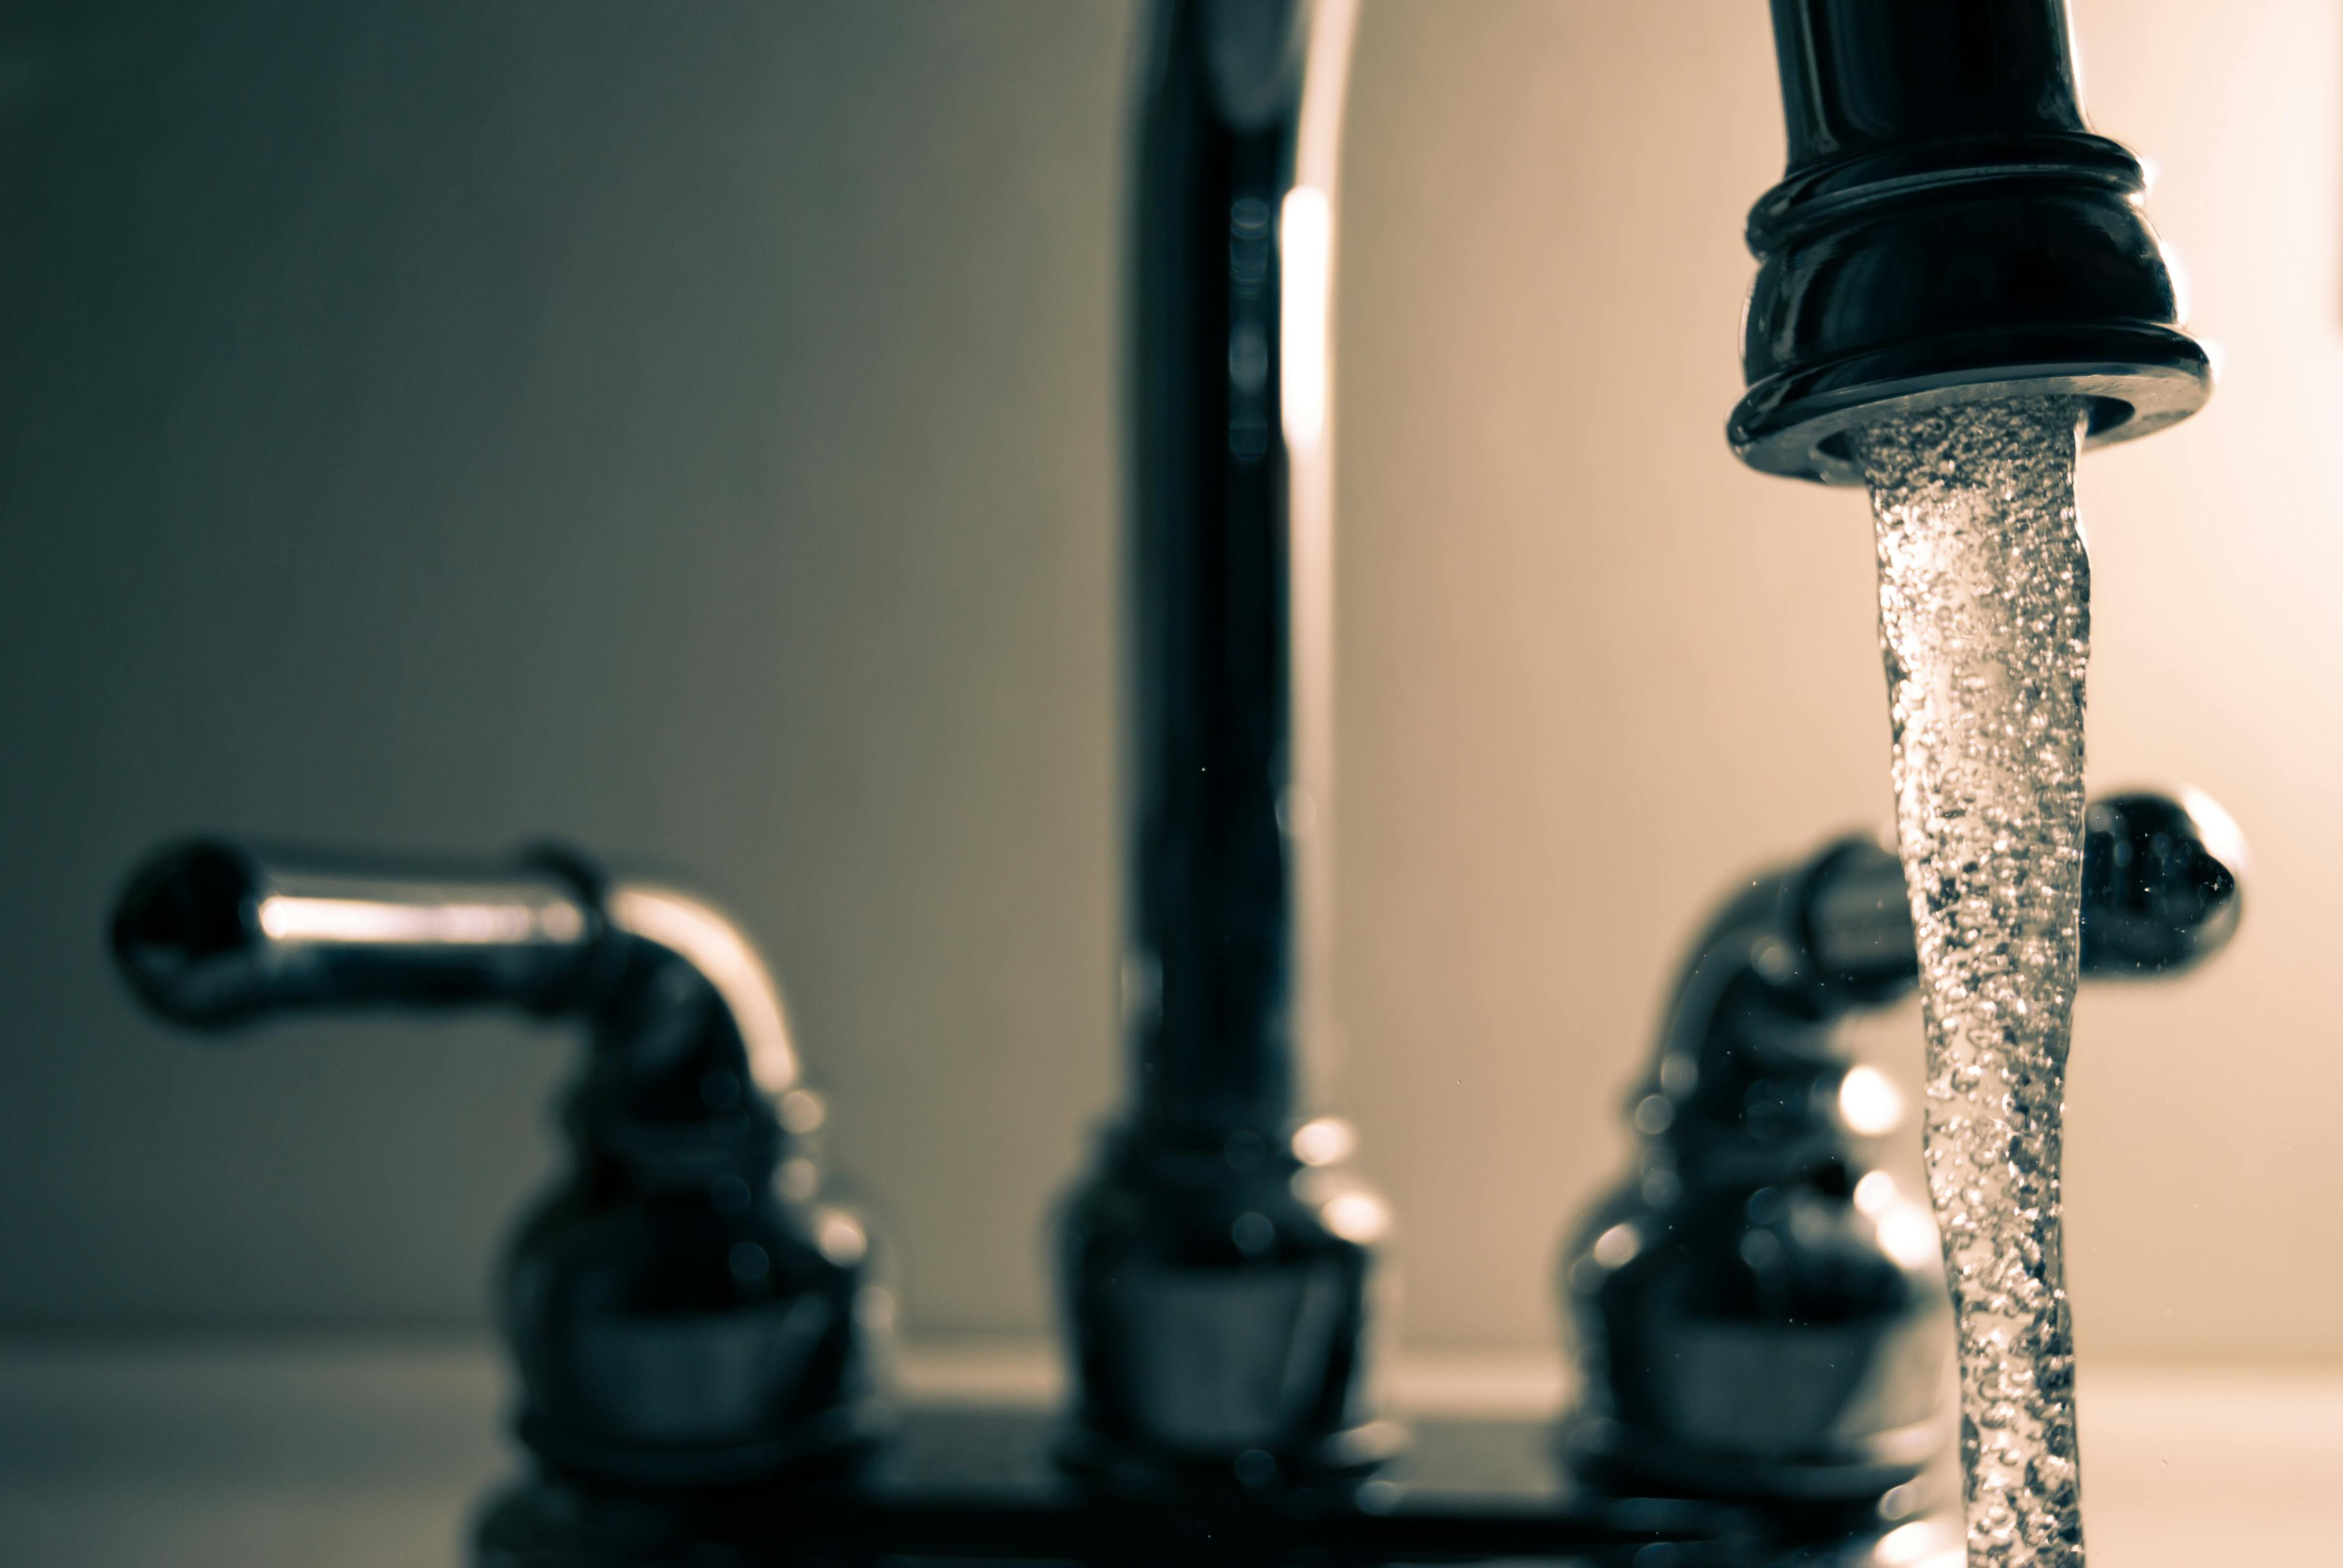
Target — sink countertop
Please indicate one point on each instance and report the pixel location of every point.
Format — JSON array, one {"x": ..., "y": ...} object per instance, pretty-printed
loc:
[{"x": 375, "y": 1452}]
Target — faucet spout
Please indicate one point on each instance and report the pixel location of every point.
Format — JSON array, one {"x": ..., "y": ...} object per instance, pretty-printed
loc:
[
  {"x": 1215, "y": 1266},
  {"x": 1948, "y": 230},
  {"x": 1228, "y": 557}
]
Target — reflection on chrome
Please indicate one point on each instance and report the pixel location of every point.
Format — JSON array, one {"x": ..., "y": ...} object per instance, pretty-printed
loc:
[
  {"x": 841, "y": 1237},
  {"x": 2217, "y": 830},
  {"x": 1305, "y": 237},
  {"x": 714, "y": 946},
  {"x": 1869, "y": 1104},
  {"x": 1328, "y": 1141},
  {"x": 1908, "y": 1235},
  {"x": 1360, "y": 1217},
  {"x": 288, "y": 919},
  {"x": 1875, "y": 1193},
  {"x": 1923, "y": 1543},
  {"x": 1617, "y": 1246}
]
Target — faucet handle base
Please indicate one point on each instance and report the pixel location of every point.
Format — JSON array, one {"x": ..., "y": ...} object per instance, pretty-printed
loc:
[{"x": 1217, "y": 1291}]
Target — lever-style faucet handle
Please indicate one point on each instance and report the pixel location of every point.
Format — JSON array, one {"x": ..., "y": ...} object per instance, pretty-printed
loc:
[
  {"x": 211, "y": 933},
  {"x": 2161, "y": 882},
  {"x": 2161, "y": 891},
  {"x": 684, "y": 1308},
  {"x": 1757, "y": 1312}
]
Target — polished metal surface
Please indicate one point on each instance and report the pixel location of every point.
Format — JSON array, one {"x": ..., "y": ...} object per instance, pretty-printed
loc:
[
  {"x": 683, "y": 1308},
  {"x": 1215, "y": 1267},
  {"x": 1223, "y": 682},
  {"x": 1759, "y": 1313},
  {"x": 215, "y": 933},
  {"x": 1948, "y": 230},
  {"x": 1218, "y": 1300}
]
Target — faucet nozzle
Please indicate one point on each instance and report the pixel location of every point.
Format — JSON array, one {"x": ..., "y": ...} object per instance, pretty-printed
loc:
[{"x": 1947, "y": 231}]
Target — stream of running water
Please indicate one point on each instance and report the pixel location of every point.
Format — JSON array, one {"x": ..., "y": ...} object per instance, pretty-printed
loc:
[{"x": 1985, "y": 628}]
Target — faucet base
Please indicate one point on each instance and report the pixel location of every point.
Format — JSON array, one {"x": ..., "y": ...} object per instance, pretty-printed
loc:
[{"x": 1217, "y": 1291}]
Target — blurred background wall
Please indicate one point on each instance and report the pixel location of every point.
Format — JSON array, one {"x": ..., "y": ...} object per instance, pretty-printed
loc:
[{"x": 692, "y": 429}]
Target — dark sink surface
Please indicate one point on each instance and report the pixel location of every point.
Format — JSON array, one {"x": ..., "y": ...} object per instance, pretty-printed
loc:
[{"x": 977, "y": 1485}]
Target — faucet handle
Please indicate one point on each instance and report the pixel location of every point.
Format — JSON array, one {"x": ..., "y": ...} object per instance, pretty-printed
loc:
[
  {"x": 211, "y": 933},
  {"x": 684, "y": 1308},
  {"x": 1757, "y": 1315},
  {"x": 2160, "y": 882},
  {"x": 2160, "y": 893}
]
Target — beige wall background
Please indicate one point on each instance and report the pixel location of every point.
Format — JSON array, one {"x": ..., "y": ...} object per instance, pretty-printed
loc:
[{"x": 690, "y": 429}]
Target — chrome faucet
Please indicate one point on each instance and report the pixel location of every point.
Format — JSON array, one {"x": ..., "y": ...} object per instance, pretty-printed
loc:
[
  {"x": 1216, "y": 1266},
  {"x": 1757, "y": 1310}
]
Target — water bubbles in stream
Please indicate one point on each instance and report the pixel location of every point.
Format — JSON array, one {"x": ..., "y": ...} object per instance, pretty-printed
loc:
[{"x": 1984, "y": 626}]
